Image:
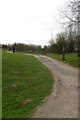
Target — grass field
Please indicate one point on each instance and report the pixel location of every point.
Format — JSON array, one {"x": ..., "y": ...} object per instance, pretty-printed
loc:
[
  {"x": 25, "y": 84},
  {"x": 0, "y": 83},
  {"x": 72, "y": 59}
]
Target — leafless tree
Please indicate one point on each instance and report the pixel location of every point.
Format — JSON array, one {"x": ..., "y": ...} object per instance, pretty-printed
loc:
[{"x": 70, "y": 14}]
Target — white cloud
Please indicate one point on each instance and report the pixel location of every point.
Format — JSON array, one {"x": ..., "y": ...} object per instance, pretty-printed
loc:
[{"x": 28, "y": 21}]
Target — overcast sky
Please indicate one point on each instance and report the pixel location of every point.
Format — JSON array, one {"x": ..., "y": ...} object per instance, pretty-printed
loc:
[{"x": 29, "y": 21}]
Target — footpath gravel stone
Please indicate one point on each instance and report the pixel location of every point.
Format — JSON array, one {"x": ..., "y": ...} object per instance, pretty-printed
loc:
[{"x": 63, "y": 102}]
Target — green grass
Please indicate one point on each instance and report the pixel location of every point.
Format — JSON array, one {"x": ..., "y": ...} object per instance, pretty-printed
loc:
[
  {"x": 33, "y": 82},
  {"x": 0, "y": 83},
  {"x": 72, "y": 59}
]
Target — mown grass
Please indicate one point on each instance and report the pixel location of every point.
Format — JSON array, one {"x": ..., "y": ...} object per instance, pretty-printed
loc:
[
  {"x": 0, "y": 83},
  {"x": 34, "y": 81},
  {"x": 72, "y": 59}
]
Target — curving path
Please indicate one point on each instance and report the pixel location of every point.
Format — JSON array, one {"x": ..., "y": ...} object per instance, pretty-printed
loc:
[{"x": 63, "y": 102}]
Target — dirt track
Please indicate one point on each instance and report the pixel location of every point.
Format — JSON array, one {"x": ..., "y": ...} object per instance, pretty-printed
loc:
[{"x": 63, "y": 102}]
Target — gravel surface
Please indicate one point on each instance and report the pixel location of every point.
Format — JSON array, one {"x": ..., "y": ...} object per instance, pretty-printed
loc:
[{"x": 63, "y": 102}]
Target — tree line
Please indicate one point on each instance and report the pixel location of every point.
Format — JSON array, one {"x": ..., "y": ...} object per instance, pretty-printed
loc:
[
  {"x": 68, "y": 40},
  {"x": 21, "y": 47}
]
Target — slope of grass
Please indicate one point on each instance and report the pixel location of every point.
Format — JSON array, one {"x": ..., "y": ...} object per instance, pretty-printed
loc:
[
  {"x": 72, "y": 59},
  {"x": 33, "y": 80}
]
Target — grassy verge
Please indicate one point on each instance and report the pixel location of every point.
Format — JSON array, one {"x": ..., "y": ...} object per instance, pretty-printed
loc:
[
  {"x": 72, "y": 59},
  {"x": 0, "y": 83},
  {"x": 25, "y": 84}
]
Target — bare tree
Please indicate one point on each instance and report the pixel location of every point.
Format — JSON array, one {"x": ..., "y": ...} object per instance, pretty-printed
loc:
[
  {"x": 71, "y": 18},
  {"x": 71, "y": 12}
]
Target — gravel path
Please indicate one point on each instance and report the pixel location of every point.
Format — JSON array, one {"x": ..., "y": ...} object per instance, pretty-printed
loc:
[{"x": 63, "y": 102}]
